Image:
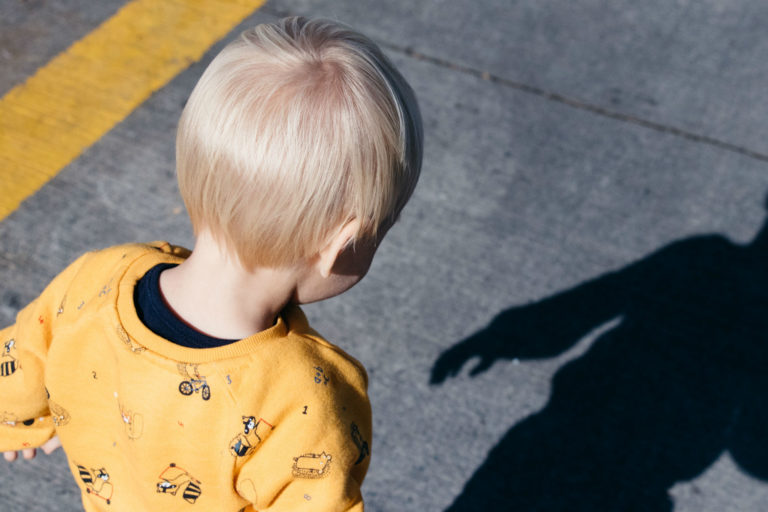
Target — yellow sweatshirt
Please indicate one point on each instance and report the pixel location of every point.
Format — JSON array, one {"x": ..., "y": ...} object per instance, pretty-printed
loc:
[{"x": 279, "y": 421}]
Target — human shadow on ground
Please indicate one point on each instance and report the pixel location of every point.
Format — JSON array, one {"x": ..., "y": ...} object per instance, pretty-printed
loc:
[{"x": 681, "y": 378}]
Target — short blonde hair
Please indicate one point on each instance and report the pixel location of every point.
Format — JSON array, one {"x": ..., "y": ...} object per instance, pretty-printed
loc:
[{"x": 294, "y": 129}]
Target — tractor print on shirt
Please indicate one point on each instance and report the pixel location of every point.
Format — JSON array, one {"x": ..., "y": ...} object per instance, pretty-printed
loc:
[
  {"x": 311, "y": 465},
  {"x": 194, "y": 383},
  {"x": 8, "y": 362},
  {"x": 96, "y": 482},
  {"x": 253, "y": 433},
  {"x": 174, "y": 478}
]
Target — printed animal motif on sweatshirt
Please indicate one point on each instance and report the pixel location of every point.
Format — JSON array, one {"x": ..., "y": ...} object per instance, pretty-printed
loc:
[
  {"x": 127, "y": 402},
  {"x": 96, "y": 482},
  {"x": 132, "y": 345},
  {"x": 59, "y": 415},
  {"x": 320, "y": 376},
  {"x": 174, "y": 478},
  {"x": 253, "y": 433},
  {"x": 194, "y": 383},
  {"x": 8, "y": 418},
  {"x": 132, "y": 421},
  {"x": 312, "y": 465},
  {"x": 9, "y": 364},
  {"x": 106, "y": 289},
  {"x": 361, "y": 444}
]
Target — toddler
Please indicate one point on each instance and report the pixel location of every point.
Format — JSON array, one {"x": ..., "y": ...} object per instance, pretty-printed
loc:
[{"x": 183, "y": 381}]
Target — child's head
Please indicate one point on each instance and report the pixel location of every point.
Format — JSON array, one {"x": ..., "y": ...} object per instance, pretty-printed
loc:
[{"x": 294, "y": 130}]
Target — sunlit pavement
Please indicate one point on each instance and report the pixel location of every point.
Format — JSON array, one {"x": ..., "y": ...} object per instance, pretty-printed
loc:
[{"x": 565, "y": 141}]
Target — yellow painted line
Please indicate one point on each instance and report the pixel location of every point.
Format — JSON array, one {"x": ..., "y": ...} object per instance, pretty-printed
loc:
[{"x": 77, "y": 97}]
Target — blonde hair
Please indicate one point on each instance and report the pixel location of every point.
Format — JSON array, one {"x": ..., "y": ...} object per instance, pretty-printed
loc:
[{"x": 294, "y": 129}]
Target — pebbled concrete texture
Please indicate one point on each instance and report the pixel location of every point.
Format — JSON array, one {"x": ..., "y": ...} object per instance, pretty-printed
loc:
[
  {"x": 523, "y": 197},
  {"x": 686, "y": 63},
  {"x": 33, "y": 31}
]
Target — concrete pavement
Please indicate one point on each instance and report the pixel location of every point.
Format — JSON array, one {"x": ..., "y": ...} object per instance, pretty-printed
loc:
[{"x": 564, "y": 141}]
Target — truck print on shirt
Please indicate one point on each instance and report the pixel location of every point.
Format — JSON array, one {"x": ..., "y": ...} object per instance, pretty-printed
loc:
[
  {"x": 96, "y": 482},
  {"x": 174, "y": 478},
  {"x": 253, "y": 433}
]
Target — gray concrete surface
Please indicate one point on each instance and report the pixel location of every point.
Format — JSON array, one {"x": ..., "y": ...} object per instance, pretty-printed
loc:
[{"x": 564, "y": 140}]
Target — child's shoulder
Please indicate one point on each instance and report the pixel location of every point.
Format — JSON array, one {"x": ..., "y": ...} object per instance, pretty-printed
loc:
[
  {"x": 124, "y": 255},
  {"x": 312, "y": 346},
  {"x": 108, "y": 266},
  {"x": 135, "y": 250}
]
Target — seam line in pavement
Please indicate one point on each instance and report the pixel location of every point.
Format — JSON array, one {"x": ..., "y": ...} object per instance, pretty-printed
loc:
[
  {"x": 559, "y": 98},
  {"x": 581, "y": 105}
]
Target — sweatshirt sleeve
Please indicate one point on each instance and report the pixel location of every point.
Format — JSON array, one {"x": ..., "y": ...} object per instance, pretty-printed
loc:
[
  {"x": 315, "y": 458},
  {"x": 25, "y": 420}
]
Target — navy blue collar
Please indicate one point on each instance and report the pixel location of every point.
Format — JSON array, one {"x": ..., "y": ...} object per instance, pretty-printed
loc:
[{"x": 159, "y": 318}]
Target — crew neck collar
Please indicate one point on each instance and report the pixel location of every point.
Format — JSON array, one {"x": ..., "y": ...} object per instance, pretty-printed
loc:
[{"x": 290, "y": 319}]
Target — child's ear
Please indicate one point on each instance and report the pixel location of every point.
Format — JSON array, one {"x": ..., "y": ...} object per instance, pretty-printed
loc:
[{"x": 336, "y": 245}]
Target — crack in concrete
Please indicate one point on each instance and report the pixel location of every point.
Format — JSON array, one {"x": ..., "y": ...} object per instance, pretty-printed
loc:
[
  {"x": 559, "y": 98},
  {"x": 578, "y": 104}
]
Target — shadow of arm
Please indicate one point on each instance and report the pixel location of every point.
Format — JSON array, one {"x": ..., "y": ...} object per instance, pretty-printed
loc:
[{"x": 542, "y": 329}]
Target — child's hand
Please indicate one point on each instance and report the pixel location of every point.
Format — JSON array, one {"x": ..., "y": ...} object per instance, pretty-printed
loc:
[{"x": 29, "y": 453}]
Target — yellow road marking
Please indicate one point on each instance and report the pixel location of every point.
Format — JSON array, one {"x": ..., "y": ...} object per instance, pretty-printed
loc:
[{"x": 77, "y": 97}]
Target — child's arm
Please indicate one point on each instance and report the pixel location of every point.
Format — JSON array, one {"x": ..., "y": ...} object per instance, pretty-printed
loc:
[
  {"x": 548, "y": 327},
  {"x": 25, "y": 421},
  {"x": 317, "y": 457}
]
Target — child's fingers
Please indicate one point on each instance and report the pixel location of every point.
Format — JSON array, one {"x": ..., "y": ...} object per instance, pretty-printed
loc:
[
  {"x": 29, "y": 453},
  {"x": 51, "y": 445}
]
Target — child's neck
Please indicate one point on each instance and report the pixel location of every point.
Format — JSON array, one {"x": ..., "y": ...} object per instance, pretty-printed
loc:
[{"x": 217, "y": 296}]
